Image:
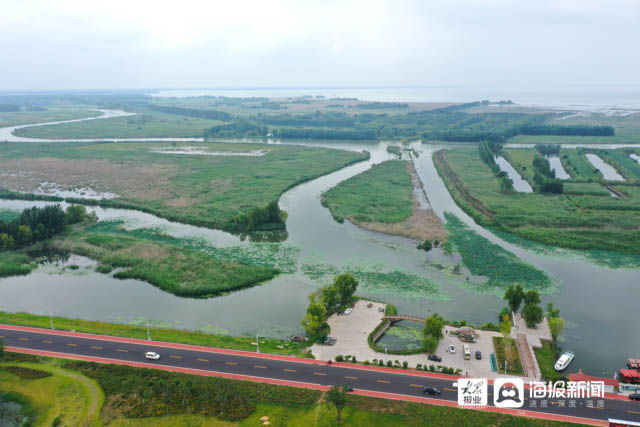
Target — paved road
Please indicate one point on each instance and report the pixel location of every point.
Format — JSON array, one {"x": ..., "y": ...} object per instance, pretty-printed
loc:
[{"x": 403, "y": 383}]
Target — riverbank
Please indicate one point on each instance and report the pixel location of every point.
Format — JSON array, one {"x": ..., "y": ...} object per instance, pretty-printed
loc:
[{"x": 388, "y": 198}]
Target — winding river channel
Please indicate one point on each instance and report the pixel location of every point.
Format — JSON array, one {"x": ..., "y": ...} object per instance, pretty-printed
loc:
[{"x": 597, "y": 303}]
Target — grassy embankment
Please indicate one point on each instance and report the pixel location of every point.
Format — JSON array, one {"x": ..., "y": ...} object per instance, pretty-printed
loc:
[
  {"x": 484, "y": 258},
  {"x": 79, "y": 392},
  {"x": 382, "y": 199},
  {"x": 145, "y": 124},
  {"x": 52, "y": 115},
  {"x": 267, "y": 345},
  {"x": 605, "y": 226},
  {"x": 207, "y": 190}
]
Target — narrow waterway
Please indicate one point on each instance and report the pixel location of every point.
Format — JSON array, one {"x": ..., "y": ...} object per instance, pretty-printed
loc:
[
  {"x": 594, "y": 300},
  {"x": 608, "y": 172},
  {"x": 519, "y": 184},
  {"x": 557, "y": 168}
]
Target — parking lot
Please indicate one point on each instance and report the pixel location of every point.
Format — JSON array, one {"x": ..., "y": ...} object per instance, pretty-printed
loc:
[{"x": 472, "y": 367}]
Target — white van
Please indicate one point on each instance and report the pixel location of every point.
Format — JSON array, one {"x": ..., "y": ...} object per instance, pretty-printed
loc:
[{"x": 466, "y": 351}]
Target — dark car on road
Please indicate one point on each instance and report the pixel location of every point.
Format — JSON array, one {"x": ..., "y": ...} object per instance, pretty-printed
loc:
[
  {"x": 435, "y": 358},
  {"x": 635, "y": 396},
  {"x": 433, "y": 391},
  {"x": 478, "y": 355}
]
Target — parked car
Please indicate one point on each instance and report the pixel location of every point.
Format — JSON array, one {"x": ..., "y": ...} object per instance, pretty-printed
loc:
[
  {"x": 348, "y": 311},
  {"x": 478, "y": 355},
  {"x": 451, "y": 349},
  {"x": 329, "y": 341},
  {"x": 435, "y": 358},
  {"x": 433, "y": 391},
  {"x": 152, "y": 355},
  {"x": 635, "y": 396}
]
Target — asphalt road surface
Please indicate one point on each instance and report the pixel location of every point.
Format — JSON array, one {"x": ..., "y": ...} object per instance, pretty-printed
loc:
[{"x": 403, "y": 383}]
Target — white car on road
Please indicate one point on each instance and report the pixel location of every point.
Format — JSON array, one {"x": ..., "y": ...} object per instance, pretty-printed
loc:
[
  {"x": 152, "y": 355},
  {"x": 348, "y": 311},
  {"x": 452, "y": 349}
]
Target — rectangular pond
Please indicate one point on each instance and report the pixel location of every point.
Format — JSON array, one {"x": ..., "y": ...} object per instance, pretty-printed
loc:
[
  {"x": 556, "y": 167},
  {"x": 519, "y": 184},
  {"x": 608, "y": 172}
]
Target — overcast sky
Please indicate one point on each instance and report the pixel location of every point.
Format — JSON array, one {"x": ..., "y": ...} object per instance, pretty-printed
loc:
[{"x": 84, "y": 44}]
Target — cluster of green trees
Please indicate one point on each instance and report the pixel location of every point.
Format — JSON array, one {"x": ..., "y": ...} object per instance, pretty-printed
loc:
[
  {"x": 432, "y": 332},
  {"x": 548, "y": 149},
  {"x": 530, "y": 300},
  {"x": 36, "y": 224},
  {"x": 267, "y": 217},
  {"x": 339, "y": 134},
  {"x": 193, "y": 112},
  {"x": 567, "y": 130},
  {"x": 451, "y": 123},
  {"x": 237, "y": 129},
  {"x": 332, "y": 298}
]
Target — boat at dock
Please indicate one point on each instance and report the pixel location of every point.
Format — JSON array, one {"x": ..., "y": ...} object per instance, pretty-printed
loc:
[{"x": 564, "y": 361}]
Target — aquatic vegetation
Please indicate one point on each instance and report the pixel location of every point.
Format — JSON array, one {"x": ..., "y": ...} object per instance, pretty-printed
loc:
[
  {"x": 280, "y": 256},
  {"x": 372, "y": 279},
  {"x": 406, "y": 333},
  {"x": 485, "y": 258}
]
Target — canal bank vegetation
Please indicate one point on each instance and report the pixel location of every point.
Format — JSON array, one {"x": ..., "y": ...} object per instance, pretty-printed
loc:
[
  {"x": 229, "y": 192},
  {"x": 382, "y": 199},
  {"x": 600, "y": 223},
  {"x": 82, "y": 392}
]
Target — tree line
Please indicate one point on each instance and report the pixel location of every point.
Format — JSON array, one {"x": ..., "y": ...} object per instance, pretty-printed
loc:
[
  {"x": 267, "y": 217},
  {"x": 193, "y": 112}
]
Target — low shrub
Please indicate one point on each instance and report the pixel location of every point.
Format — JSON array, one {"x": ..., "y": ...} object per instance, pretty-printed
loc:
[
  {"x": 27, "y": 373},
  {"x": 405, "y": 364},
  {"x": 339, "y": 358},
  {"x": 389, "y": 364}
]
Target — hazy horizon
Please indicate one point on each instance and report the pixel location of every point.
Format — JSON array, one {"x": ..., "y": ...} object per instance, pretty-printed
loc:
[{"x": 76, "y": 45}]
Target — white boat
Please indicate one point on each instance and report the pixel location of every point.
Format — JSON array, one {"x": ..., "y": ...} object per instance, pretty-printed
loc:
[{"x": 564, "y": 361}]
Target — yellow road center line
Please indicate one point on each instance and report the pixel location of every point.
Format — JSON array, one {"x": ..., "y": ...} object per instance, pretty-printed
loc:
[
  {"x": 1, "y": 336},
  {"x": 72, "y": 345},
  {"x": 351, "y": 378},
  {"x": 23, "y": 339},
  {"x": 123, "y": 351},
  {"x": 417, "y": 385},
  {"x": 383, "y": 381},
  {"x": 96, "y": 347},
  {"x": 633, "y": 412},
  {"x": 230, "y": 363},
  {"x": 47, "y": 341},
  {"x": 176, "y": 357},
  {"x": 203, "y": 360},
  {"x": 320, "y": 373},
  {"x": 289, "y": 370},
  {"x": 450, "y": 389},
  {"x": 260, "y": 366}
]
